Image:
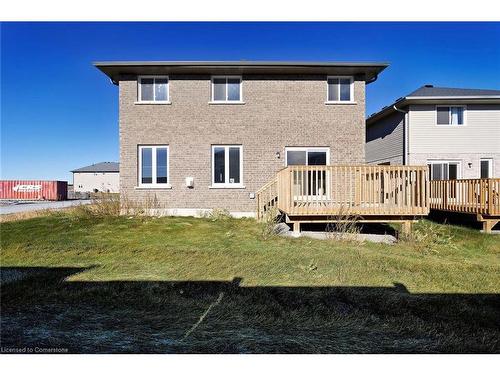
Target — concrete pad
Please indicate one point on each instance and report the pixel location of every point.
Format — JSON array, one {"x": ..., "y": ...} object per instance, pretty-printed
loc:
[{"x": 360, "y": 237}]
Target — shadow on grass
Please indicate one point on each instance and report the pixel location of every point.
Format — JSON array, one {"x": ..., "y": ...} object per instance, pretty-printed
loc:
[
  {"x": 367, "y": 228},
  {"x": 43, "y": 309},
  {"x": 456, "y": 218}
]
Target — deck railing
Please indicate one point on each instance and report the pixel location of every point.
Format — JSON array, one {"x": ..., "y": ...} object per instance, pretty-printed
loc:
[
  {"x": 352, "y": 189},
  {"x": 267, "y": 198},
  {"x": 476, "y": 196}
]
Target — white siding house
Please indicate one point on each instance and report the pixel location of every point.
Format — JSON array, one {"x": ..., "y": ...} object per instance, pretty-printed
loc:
[
  {"x": 454, "y": 131},
  {"x": 101, "y": 177}
]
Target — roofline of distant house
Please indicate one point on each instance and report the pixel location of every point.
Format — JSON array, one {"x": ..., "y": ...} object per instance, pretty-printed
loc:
[
  {"x": 96, "y": 171},
  {"x": 407, "y": 100},
  {"x": 116, "y": 69},
  {"x": 99, "y": 168}
]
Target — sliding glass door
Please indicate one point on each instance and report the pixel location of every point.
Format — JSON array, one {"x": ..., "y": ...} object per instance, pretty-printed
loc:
[{"x": 310, "y": 182}]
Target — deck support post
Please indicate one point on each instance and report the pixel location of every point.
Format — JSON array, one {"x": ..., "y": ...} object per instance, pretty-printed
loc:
[
  {"x": 488, "y": 225},
  {"x": 296, "y": 227},
  {"x": 406, "y": 227}
]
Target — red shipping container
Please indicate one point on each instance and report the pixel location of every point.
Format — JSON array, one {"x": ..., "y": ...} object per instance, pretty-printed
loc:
[{"x": 34, "y": 190}]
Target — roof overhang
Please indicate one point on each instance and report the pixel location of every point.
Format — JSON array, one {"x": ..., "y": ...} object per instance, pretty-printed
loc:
[
  {"x": 118, "y": 70},
  {"x": 408, "y": 100}
]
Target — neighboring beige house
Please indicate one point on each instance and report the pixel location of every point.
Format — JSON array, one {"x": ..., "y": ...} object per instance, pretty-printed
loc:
[
  {"x": 454, "y": 131},
  {"x": 99, "y": 177},
  {"x": 196, "y": 136}
]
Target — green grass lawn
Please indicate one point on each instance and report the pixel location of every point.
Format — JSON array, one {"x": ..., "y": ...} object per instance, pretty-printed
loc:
[{"x": 122, "y": 284}]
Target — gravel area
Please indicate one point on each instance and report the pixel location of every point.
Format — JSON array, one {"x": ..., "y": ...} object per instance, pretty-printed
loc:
[{"x": 12, "y": 207}]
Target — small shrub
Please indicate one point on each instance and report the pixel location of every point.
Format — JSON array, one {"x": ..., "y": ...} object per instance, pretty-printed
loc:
[
  {"x": 272, "y": 217},
  {"x": 219, "y": 214},
  {"x": 103, "y": 205},
  {"x": 82, "y": 211},
  {"x": 428, "y": 237},
  {"x": 106, "y": 205},
  {"x": 342, "y": 226},
  {"x": 147, "y": 207}
]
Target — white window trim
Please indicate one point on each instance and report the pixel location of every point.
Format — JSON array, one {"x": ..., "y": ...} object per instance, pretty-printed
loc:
[
  {"x": 490, "y": 166},
  {"x": 213, "y": 101},
  {"x": 350, "y": 101},
  {"x": 451, "y": 125},
  {"x": 458, "y": 162},
  {"x": 226, "y": 185},
  {"x": 307, "y": 150},
  {"x": 154, "y": 184},
  {"x": 139, "y": 91}
]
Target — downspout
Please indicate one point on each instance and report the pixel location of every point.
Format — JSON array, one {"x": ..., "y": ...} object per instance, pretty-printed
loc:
[{"x": 405, "y": 134}]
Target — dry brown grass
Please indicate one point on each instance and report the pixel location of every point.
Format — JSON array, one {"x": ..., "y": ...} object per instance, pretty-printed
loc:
[
  {"x": 342, "y": 226},
  {"x": 131, "y": 284},
  {"x": 268, "y": 223},
  {"x": 218, "y": 214},
  {"x": 103, "y": 205},
  {"x": 26, "y": 215},
  {"x": 149, "y": 206},
  {"x": 429, "y": 237}
]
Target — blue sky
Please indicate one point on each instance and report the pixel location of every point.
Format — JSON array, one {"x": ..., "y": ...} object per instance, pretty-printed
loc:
[{"x": 59, "y": 113}]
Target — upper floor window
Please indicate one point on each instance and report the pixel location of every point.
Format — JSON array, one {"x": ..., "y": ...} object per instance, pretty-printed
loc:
[
  {"x": 450, "y": 115},
  {"x": 153, "y": 89},
  {"x": 153, "y": 166},
  {"x": 340, "y": 89},
  {"x": 226, "y": 89}
]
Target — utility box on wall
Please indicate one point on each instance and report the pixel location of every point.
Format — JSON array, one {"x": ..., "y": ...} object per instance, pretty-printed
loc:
[{"x": 190, "y": 182}]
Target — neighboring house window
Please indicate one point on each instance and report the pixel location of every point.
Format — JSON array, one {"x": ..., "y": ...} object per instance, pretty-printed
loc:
[
  {"x": 340, "y": 89},
  {"x": 227, "y": 165},
  {"x": 443, "y": 170},
  {"x": 450, "y": 115},
  {"x": 486, "y": 168},
  {"x": 153, "y": 89},
  {"x": 153, "y": 166},
  {"x": 226, "y": 89}
]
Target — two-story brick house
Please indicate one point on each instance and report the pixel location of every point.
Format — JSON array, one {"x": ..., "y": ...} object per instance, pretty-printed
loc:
[
  {"x": 205, "y": 135},
  {"x": 456, "y": 132}
]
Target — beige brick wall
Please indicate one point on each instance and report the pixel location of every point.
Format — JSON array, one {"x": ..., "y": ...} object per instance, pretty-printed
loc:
[{"x": 278, "y": 112}]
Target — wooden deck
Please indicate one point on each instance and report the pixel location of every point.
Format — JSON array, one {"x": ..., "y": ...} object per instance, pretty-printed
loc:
[
  {"x": 480, "y": 197},
  {"x": 327, "y": 193}
]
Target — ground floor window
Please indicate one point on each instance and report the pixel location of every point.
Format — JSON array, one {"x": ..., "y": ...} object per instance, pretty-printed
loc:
[
  {"x": 443, "y": 170},
  {"x": 153, "y": 165},
  {"x": 307, "y": 156},
  {"x": 486, "y": 168},
  {"x": 227, "y": 165}
]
